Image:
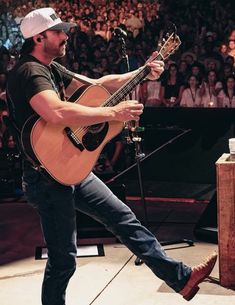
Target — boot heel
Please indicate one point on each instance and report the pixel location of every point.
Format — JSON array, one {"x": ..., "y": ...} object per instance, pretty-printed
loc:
[{"x": 191, "y": 294}]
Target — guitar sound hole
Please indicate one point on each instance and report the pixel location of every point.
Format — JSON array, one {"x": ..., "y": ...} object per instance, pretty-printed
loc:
[{"x": 95, "y": 136}]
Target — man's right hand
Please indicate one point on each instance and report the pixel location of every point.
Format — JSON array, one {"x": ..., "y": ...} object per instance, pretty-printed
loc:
[{"x": 128, "y": 111}]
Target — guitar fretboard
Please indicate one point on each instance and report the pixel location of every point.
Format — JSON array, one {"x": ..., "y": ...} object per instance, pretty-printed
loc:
[{"x": 126, "y": 89}]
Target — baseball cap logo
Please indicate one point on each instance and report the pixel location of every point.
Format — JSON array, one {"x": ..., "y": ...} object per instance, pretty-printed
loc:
[{"x": 53, "y": 17}]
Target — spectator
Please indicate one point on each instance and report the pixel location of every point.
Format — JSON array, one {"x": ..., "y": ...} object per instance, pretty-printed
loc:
[
  {"x": 18, "y": 14},
  {"x": 232, "y": 35},
  {"x": 226, "y": 97},
  {"x": 133, "y": 23},
  {"x": 230, "y": 60},
  {"x": 189, "y": 58},
  {"x": 4, "y": 32},
  {"x": 210, "y": 89},
  {"x": 231, "y": 46},
  {"x": 197, "y": 70},
  {"x": 226, "y": 71},
  {"x": 210, "y": 53},
  {"x": 148, "y": 93},
  {"x": 10, "y": 41},
  {"x": 171, "y": 87},
  {"x": 105, "y": 31},
  {"x": 191, "y": 94},
  {"x": 212, "y": 64},
  {"x": 223, "y": 49}
]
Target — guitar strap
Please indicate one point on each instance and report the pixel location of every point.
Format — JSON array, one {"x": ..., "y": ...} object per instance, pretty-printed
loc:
[
  {"x": 10, "y": 122},
  {"x": 69, "y": 73},
  {"x": 60, "y": 89}
]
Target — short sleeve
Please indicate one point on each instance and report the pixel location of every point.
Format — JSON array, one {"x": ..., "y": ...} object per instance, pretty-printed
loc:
[{"x": 35, "y": 78}]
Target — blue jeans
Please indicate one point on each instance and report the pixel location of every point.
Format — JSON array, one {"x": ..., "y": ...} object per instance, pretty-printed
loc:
[{"x": 57, "y": 204}]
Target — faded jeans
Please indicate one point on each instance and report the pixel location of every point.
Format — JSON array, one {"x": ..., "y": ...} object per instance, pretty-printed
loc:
[{"x": 57, "y": 204}]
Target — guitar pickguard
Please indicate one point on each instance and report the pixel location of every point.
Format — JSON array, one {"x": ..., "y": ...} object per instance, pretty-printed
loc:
[{"x": 95, "y": 136}]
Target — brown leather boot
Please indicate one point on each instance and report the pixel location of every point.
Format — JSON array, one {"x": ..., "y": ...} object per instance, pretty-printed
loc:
[{"x": 199, "y": 273}]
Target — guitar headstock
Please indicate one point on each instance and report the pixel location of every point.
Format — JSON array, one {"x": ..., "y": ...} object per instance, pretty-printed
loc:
[{"x": 169, "y": 45}]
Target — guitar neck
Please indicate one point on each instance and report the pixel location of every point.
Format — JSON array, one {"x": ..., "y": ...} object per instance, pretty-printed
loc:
[{"x": 126, "y": 89}]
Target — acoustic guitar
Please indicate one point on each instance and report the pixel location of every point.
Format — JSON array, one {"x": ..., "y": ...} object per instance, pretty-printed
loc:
[{"x": 69, "y": 154}]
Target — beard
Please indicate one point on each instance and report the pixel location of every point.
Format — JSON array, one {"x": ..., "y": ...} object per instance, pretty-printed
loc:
[{"x": 55, "y": 51}]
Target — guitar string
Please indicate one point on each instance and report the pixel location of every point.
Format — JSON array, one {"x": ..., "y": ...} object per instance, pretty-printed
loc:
[
  {"x": 115, "y": 99},
  {"x": 124, "y": 91}
]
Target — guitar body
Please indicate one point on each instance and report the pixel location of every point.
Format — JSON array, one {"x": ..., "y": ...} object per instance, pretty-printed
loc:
[{"x": 69, "y": 154}]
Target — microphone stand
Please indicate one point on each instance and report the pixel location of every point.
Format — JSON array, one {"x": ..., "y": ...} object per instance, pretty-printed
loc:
[
  {"x": 134, "y": 138},
  {"x": 121, "y": 34},
  {"x": 139, "y": 155}
]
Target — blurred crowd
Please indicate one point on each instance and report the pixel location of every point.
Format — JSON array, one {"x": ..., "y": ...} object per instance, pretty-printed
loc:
[{"x": 199, "y": 74}]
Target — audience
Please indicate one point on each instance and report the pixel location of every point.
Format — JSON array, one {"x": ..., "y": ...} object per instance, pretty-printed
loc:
[
  {"x": 207, "y": 32},
  {"x": 207, "y": 35},
  {"x": 205, "y": 59}
]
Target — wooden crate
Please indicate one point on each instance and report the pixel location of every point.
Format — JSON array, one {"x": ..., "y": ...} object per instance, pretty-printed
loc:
[{"x": 225, "y": 171}]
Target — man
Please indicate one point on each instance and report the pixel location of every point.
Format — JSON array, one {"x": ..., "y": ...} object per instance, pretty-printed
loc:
[
  {"x": 231, "y": 46},
  {"x": 133, "y": 23},
  {"x": 33, "y": 87}
]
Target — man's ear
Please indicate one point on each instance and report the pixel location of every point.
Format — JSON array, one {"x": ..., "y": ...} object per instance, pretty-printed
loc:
[{"x": 38, "y": 38}]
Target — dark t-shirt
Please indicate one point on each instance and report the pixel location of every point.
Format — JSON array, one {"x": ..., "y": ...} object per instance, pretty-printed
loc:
[
  {"x": 172, "y": 90},
  {"x": 30, "y": 77}
]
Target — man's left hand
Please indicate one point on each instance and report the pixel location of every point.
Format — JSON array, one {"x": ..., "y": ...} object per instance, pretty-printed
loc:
[{"x": 157, "y": 67}]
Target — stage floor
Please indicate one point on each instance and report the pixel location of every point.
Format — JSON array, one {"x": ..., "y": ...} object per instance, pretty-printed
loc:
[{"x": 113, "y": 279}]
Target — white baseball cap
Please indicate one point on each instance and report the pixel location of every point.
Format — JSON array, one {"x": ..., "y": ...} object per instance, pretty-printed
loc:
[{"x": 42, "y": 19}]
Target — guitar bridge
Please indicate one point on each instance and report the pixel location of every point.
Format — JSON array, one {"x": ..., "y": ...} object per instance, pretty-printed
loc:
[{"x": 74, "y": 140}]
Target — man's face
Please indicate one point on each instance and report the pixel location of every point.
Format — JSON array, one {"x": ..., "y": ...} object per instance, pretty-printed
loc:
[
  {"x": 223, "y": 48},
  {"x": 195, "y": 70},
  {"x": 212, "y": 76},
  {"x": 230, "y": 83},
  {"x": 54, "y": 43},
  {"x": 211, "y": 65},
  {"x": 231, "y": 44}
]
